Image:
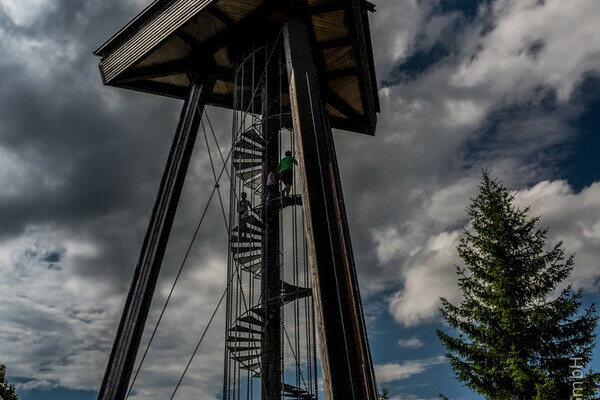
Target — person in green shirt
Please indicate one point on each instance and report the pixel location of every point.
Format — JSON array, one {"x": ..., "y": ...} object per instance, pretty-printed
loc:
[{"x": 286, "y": 170}]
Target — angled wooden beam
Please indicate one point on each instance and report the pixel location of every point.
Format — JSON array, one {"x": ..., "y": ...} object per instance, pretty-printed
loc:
[
  {"x": 190, "y": 40},
  {"x": 221, "y": 16},
  {"x": 223, "y": 73},
  {"x": 339, "y": 104},
  {"x": 221, "y": 39},
  {"x": 131, "y": 327}
]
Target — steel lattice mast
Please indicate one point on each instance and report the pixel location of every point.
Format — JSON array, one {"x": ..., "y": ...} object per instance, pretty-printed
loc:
[{"x": 323, "y": 77}]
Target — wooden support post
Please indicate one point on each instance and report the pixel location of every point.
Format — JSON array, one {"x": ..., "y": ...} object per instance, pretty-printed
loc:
[
  {"x": 345, "y": 357},
  {"x": 129, "y": 334}
]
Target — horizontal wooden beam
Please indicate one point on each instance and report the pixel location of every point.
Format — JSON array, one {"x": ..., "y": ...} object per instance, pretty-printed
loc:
[
  {"x": 341, "y": 73},
  {"x": 154, "y": 71},
  {"x": 191, "y": 40},
  {"x": 327, "y": 7},
  {"x": 332, "y": 44},
  {"x": 220, "y": 101},
  {"x": 337, "y": 6},
  {"x": 164, "y": 89}
]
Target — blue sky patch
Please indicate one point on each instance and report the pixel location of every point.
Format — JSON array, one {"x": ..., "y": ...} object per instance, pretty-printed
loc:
[
  {"x": 468, "y": 7},
  {"x": 584, "y": 169},
  {"x": 417, "y": 63},
  {"x": 57, "y": 394},
  {"x": 51, "y": 257}
]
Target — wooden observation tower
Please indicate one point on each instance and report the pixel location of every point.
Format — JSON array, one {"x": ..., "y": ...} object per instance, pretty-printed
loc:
[{"x": 291, "y": 70}]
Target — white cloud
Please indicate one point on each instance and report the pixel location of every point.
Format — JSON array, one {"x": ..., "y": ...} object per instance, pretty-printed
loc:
[
  {"x": 398, "y": 371},
  {"x": 395, "y": 26},
  {"x": 567, "y": 39},
  {"x": 389, "y": 244},
  {"x": 573, "y": 218},
  {"x": 26, "y": 12},
  {"x": 52, "y": 317},
  {"x": 429, "y": 276},
  {"x": 447, "y": 205},
  {"x": 58, "y": 324},
  {"x": 412, "y": 343}
]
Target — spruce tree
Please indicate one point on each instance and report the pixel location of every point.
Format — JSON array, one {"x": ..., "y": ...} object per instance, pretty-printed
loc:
[
  {"x": 7, "y": 391},
  {"x": 518, "y": 335}
]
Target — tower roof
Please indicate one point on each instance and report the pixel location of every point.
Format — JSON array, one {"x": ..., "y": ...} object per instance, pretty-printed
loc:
[{"x": 154, "y": 51}]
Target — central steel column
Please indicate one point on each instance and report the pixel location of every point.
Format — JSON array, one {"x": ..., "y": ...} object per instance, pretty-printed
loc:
[
  {"x": 271, "y": 271},
  {"x": 345, "y": 356}
]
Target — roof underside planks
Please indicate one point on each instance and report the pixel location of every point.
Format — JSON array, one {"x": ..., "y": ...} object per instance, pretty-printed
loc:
[{"x": 156, "y": 49}]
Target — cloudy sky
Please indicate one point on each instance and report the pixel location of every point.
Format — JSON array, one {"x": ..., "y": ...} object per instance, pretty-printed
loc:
[{"x": 508, "y": 85}]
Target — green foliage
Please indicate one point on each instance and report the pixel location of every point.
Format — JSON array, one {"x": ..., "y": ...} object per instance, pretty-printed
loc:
[
  {"x": 516, "y": 333},
  {"x": 385, "y": 394},
  {"x": 7, "y": 391}
]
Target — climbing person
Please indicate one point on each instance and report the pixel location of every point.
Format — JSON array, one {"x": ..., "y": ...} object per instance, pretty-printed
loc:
[
  {"x": 243, "y": 208},
  {"x": 272, "y": 186},
  {"x": 286, "y": 169}
]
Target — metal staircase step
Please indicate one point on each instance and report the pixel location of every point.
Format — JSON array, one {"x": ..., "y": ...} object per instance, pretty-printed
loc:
[
  {"x": 260, "y": 311},
  {"x": 243, "y": 329},
  {"x": 244, "y": 143},
  {"x": 290, "y": 391},
  {"x": 252, "y": 220},
  {"x": 254, "y": 268},
  {"x": 239, "y": 164},
  {"x": 243, "y": 359},
  {"x": 292, "y": 292},
  {"x": 248, "y": 259},
  {"x": 255, "y": 184},
  {"x": 286, "y": 201},
  {"x": 240, "y": 249},
  {"x": 244, "y": 239},
  {"x": 235, "y": 339},
  {"x": 246, "y": 229},
  {"x": 242, "y": 348},
  {"x": 245, "y": 155},
  {"x": 250, "y": 175},
  {"x": 253, "y": 135},
  {"x": 253, "y": 367},
  {"x": 251, "y": 320}
]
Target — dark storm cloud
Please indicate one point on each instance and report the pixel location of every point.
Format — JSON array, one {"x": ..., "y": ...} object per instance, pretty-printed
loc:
[
  {"x": 85, "y": 162},
  {"x": 84, "y": 157}
]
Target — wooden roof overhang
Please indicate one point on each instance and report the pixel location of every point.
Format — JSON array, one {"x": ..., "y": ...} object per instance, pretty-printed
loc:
[{"x": 154, "y": 51}]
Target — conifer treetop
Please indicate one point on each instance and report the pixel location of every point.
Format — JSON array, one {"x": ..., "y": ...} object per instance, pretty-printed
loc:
[{"x": 518, "y": 326}]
